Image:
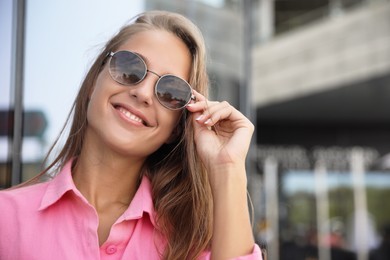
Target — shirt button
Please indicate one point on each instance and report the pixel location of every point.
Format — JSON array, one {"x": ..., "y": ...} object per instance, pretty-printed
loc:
[{"x": 111, "y": 250}]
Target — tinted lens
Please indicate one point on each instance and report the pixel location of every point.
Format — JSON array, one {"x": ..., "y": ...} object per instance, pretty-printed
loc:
[
  {"x": 173, "y": 92},
  {"x": 127, "y": 68}
]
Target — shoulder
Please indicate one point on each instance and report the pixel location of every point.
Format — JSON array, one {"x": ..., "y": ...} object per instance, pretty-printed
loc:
[
  {"x": 24, "y": 198},
  {"x": 19, "y": 205},
  {"x": 19, "y": 221}
]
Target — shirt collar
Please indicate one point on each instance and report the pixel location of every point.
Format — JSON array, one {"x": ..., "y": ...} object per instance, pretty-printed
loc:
[
  {"x": 58, "y": 186},
  {"x": 63, "y": 182},
  {"x": 141, "y": 203}
]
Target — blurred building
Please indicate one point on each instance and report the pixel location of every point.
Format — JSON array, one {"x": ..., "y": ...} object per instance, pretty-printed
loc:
[
  {"x": 326, "y": 82},
  {"x": 321, "y": 84}
]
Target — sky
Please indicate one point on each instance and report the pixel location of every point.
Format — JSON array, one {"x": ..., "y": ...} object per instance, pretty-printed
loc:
[{"x": 62, "y": 39}]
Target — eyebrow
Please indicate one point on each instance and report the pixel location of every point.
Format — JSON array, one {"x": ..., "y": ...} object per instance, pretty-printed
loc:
[{"x": 147, "y": 62}]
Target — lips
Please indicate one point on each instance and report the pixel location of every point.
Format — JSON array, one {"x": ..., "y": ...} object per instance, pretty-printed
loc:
[{"x": 131, "y": 115}]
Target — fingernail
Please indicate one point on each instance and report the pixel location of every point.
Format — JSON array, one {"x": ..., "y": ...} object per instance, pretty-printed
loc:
[
  {"x": 207, "y": 122},
  {"x": 199, "y": 117}
]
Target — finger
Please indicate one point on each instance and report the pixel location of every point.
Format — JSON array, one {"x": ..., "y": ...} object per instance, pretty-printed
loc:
[
  {"x": 204, "y": 109},
  {"x": 198, "y": 96},
  {"x": 198, "y": 104},
  {"x": 201, "y": 106},
  {"x": 217, "y": 113},
  {"x": 224, "y": 112},
  {"x": 213, "y": 112}
]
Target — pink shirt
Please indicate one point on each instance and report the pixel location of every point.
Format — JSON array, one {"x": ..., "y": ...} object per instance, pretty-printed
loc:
[{"x": 53, "y": 220}]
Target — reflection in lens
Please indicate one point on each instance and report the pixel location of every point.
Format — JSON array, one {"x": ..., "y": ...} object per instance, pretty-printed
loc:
[
  {"x": 127, "y": 68},
  {"x": 173, "y": 92}
]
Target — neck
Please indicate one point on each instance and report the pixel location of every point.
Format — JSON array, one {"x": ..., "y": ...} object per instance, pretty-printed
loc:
[{"x": 104, "y": 180}]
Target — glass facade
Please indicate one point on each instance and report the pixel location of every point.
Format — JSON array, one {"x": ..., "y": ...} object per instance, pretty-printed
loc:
[
  {"x": 11, "y": 103},
  {"x": 5, "y": 104}
]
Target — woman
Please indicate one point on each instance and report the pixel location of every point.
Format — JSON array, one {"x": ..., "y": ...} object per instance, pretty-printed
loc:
[{"x": 151, "y": 169}]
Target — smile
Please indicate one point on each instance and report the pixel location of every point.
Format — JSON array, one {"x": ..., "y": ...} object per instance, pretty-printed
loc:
[{"x": 130, "y": 115}]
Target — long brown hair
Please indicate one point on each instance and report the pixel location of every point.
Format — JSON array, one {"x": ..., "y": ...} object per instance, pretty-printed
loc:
[{"x": 180, "y": 187}]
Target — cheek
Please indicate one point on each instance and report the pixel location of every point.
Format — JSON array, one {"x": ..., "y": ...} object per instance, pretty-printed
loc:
[
  {"x": 100, "y": 81},
  {"x": 91, "y": 102},
  {"x": 99, "y": 91},
  {"x": 172, "y": 125},
  {"x": 95, "y": 102},
  {"x": 171, "y": 119},
  {"x": 91, "y": 113}
]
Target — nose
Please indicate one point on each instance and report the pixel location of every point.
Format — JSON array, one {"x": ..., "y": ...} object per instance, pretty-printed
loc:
[{"x": 143, "y": 92}]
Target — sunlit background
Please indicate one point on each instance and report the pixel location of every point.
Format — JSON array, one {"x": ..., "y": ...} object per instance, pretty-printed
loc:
[{"x": 313, "y": 76}]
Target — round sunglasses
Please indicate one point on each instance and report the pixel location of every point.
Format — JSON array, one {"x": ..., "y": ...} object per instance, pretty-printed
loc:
[{"x": 128, "y": 68}]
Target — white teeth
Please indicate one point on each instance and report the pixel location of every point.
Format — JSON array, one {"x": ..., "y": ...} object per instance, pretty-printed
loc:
[{"x": 130, "y": 115}]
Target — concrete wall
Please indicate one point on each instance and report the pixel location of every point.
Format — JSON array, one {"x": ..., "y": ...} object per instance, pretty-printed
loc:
[{"x": 340, "y": 50}]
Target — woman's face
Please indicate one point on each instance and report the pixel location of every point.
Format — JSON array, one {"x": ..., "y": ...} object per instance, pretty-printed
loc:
[{"x": 129, "y": 119}]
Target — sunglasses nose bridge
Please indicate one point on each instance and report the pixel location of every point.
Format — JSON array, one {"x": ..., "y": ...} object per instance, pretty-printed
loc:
[{"x": 154, "y": 73}]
